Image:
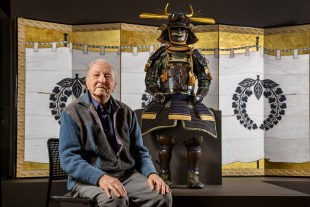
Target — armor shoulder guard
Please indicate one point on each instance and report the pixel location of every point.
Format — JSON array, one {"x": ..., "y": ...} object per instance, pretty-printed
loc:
[
  {"x": 202, "y": 61},
  {"x": 154, "y": 56},
  {"x": 200, "y": 58}
]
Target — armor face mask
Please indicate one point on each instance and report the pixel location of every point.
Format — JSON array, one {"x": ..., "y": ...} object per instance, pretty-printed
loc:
[{"x": 178, "y": 35}]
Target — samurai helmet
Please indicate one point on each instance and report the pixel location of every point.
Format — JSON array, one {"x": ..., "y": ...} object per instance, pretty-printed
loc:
[{"x": 180, "y": 21}]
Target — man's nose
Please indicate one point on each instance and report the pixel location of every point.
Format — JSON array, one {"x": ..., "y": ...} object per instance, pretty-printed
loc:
[{"x": 101, "y": 78}]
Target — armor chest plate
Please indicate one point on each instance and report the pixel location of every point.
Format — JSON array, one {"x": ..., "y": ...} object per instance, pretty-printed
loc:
[{"x": 178, "y": 68}]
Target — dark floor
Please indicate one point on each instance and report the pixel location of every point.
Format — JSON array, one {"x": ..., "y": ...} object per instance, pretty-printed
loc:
[
  {"x": 248, "y": 192},
  {"x": 234, "y": 191},
  {"x": 252, "y": 186}
]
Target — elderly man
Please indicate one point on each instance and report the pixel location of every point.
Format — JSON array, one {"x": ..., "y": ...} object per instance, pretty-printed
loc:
[{"x": 101, "y": 148}]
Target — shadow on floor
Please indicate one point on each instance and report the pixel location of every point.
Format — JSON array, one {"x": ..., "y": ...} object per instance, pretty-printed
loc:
[{"x": 300, "y": 186}]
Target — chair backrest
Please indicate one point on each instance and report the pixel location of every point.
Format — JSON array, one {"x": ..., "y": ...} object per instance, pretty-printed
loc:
[{"x": 55, "y": 171}]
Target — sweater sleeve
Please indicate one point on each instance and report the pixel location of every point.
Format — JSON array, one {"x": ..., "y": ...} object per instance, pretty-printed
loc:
[
  {"x": 139, "y": 152},
  {"x": 71, "y": 153}
]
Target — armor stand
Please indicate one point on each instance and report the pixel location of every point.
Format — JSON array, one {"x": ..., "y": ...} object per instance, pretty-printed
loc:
[
  {"x": 193, "y": 147},
  {"x": 165, "y": 144}
]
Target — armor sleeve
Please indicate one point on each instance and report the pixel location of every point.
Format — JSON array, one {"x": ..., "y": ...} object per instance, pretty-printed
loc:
[
  {"x": 155, "y": 68},
  {"x": 201, "y": 69},
  {"x": 154, "y": 56}
]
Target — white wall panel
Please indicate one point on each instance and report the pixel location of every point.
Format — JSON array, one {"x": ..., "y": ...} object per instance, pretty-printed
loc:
[
  {"x": 240, "y": 143},
  {"x": 132, "y": 78},
  {"x": 288, "y": 141}
]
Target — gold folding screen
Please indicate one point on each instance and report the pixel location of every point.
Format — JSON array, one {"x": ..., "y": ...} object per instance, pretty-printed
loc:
[{"x": 215, "y": 41}]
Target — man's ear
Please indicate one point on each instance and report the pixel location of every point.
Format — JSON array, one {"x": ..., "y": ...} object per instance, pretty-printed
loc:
[
  {"x": 86, "y": 82},
  {"x": 114, "y": 86}
]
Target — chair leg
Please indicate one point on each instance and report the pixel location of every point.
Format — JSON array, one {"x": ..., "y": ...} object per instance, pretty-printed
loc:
[{"x": 47, "y": 202}]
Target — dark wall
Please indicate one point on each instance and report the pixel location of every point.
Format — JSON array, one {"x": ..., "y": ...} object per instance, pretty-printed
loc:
[
  {"x": 5, "y": 7},
  {"x": 262, "y": 14},
  {"x": 6, "y": 86}
]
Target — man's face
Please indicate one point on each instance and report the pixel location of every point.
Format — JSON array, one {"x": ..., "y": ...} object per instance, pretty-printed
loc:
[
  {"x": 100, "y": 81},
  {"x": 178, "y": 35}
]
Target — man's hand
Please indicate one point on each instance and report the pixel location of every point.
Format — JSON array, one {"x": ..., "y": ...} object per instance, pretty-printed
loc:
[
  {"x": 108, "y": 183},
  {"x": 162, "y": 187}
]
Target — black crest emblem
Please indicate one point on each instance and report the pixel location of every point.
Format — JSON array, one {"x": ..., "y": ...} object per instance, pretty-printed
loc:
[
  {"x": 146, "y": 99},
  {"x": 66, "y": 87},
  {"x": 271, "y": 91}
]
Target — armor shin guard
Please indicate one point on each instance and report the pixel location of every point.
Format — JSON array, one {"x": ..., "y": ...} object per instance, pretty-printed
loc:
[
  {"x": 193, "y": 147},
  {"x": 165, "y": 144}
]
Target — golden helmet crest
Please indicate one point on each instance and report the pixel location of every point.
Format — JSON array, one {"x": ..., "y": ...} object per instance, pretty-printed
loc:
[
  {"x": 177, "y": 19},
  {"x": 166, "y": 15}
]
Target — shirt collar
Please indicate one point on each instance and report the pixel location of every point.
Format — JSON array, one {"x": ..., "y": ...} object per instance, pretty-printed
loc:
[{"x": 97, "y": 106}]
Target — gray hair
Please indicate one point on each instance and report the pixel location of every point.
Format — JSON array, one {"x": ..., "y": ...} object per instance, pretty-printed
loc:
[{"x": 100, "y": 60}]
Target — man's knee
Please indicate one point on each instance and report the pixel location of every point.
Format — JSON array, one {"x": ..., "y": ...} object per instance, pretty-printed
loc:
[
  {"x": 103, "y": 201},
  {"x": 164, "y": 200}
]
